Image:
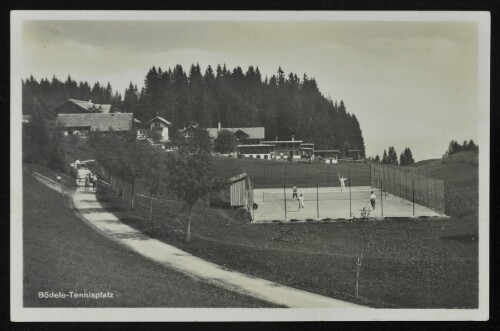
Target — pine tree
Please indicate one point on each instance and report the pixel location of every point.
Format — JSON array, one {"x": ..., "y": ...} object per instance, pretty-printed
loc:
[{"x": 384, "y": 157}]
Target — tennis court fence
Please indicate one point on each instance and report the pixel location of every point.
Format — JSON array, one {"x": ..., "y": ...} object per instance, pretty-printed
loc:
[{"x": 409, "y": 185}]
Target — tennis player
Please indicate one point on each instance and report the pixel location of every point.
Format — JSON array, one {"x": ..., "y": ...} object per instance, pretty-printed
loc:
[
  {"x": 294, "y": 192},
  {"x": 342, "y": 183},
  {"x": 372, "y": 200},
  {"x": 301, "y": 202}
]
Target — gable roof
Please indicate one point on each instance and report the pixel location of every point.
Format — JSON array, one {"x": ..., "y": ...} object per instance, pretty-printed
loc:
[
  {"x": 97, "y": 121},
  {"x": 159, "y": 118},
  {"x": 87, "y": 106},
  {"x": 257, "y": 132}
]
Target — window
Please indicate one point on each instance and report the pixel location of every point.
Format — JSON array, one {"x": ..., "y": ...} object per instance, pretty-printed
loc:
[
  {"x": 258, "y": 156},
  {"x": 266, "y": 156}
]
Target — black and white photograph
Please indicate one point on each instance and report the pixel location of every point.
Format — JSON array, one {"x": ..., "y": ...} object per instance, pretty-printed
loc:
[{"x": 249, "y": 165}]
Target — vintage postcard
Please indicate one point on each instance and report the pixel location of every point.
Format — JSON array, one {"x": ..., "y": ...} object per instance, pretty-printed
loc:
[{"x": 249, "y": 166}]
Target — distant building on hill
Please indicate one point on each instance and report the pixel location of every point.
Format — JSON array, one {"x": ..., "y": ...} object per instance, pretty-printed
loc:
[
  {"x": 284, "y": 149},
  {"x": 82, "y": 124},
  {"x": 157, "y": 124},
  {"x": 244, "y": 136},
  {"x": 186, "y": 132},
  {"x": 72, "y": 106},
  {"x": 257, "y": 151},
  {"x": 306, "y": 150},
  {"x": 354, "y": 154},
  {"x": 327, "y": 153}
]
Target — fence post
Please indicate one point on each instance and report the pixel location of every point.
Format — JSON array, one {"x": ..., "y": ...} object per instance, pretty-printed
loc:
[
  {"x": 284, "y": 177},
  {"x": 413, "y": 189},
  {"x": 317, "y": 199},
  {"x": 427, "y": 192},
  {"x": 284, "y": 197},
  {"x": 382, "y": 198},
  {"x": 406, "y": 184},
  {"x": 435, "y": 189},
  {"x": 306, "y": 173},
  {"x": 350, "y": 200},
  {"x": 328, "y": 176},
  {"x": 371, "y": 174},
  {"x": 265, "y": 184},
  {"x": 394, "y": 181}
]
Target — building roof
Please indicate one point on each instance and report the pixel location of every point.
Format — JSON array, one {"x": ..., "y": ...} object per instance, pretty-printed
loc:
[
  {"x": 327, "y": 150},
  {"x": 97, "y": 121},
  {"x": 280, "y": 141},
  {"x": 159, "y": 118},
  {"x": 88, "y": 106},
  {"x": 257, "y": 132},
  {"x": 137, "y": 121}
]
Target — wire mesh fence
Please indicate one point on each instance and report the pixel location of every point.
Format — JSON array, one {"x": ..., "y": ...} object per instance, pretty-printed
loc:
[
  {"x": 406, "y": 184},
  {"x": 269, "y": 174}
]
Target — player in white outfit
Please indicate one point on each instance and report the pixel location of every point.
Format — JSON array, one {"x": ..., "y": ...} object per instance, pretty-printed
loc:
[
  {"x": 301, "y": 202},
  {"x": 342, "y": 183}
]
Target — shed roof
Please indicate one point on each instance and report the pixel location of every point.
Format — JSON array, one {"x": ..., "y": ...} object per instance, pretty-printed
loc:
[{"x": 97, "y": 121}]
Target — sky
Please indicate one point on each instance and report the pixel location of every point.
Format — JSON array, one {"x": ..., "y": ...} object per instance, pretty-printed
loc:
[{"x": 410, "y": 84}]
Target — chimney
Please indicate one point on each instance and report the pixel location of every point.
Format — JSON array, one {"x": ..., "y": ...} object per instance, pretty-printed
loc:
[
  {"x": 293, "y": 139},
  {"x": 218, "y": 126}
]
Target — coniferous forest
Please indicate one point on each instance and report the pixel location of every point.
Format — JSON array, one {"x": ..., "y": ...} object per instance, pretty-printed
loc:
[{"x": 284, "y": 104}]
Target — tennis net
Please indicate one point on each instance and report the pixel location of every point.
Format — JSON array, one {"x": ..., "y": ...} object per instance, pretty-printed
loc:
[{"x": 320, "y": 196}]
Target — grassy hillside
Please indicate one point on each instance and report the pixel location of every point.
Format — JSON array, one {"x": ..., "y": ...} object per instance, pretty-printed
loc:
[
  {"x": 461, "y": 173},
  {"x": 62, "y": 254},
  {"x": 459, "y": 170},
  {"x": 407, "y": 263}
]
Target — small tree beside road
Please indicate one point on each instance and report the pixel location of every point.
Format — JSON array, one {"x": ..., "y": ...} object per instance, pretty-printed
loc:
[
  {"x": 191, "y": 178},
  {"x": 155, "y": 174}
]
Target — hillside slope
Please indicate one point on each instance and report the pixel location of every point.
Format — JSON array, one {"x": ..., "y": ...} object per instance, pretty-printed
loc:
[{"x": 459, "y": 170}]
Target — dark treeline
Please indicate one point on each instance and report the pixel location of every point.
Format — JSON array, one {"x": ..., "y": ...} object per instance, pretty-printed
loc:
[
  {"x": 285, "y": 105},
  {"x": 454, "y": 147}
]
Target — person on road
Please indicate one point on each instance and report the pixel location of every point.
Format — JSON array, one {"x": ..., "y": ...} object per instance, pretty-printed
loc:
[
  {"x": 342, "y": 182},
  {"x": 301, "y": 202},
  {"x": 87, "y": 181},
  {"x": 77, "y": 163},
  {"x": 294, "y": 192},
  {"x": 372, "y": 200},
  {"x": 93, "y": 181}
]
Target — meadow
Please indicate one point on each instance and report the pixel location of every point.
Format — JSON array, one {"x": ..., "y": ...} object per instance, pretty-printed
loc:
[{"x": 406, "y": 263}]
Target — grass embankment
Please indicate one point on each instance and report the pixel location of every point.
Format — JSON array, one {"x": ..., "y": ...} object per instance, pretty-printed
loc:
[
  {"x": 461, "y": 173},
  {"x": 267, "y": 173},
  {"x": 63, "y": 254},
  {"x": 406, "y": 263}
]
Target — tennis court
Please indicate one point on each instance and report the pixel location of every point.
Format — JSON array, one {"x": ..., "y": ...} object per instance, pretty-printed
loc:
[{"x": 331, "y": 202}]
